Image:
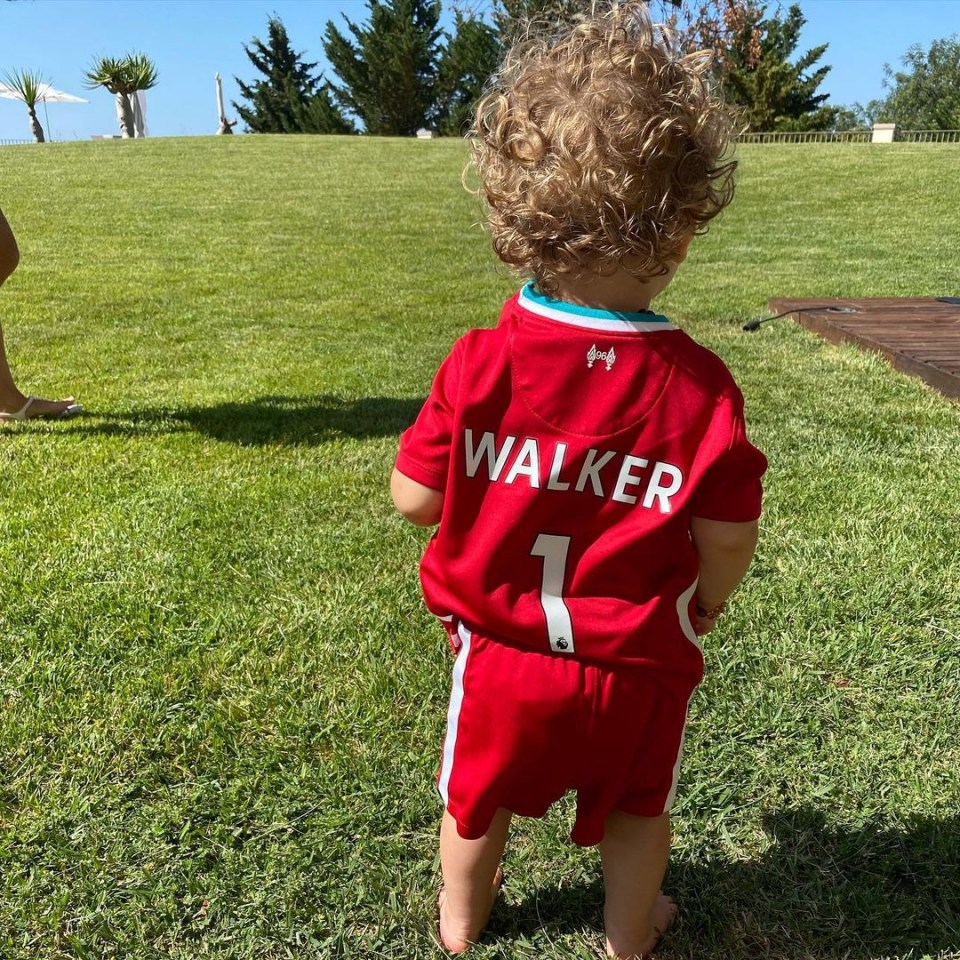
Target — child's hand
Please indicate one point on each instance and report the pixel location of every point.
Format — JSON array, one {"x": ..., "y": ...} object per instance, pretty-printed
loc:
[
  {"x": 705, "y": 617},
  {"x": 702, "y": 625}
]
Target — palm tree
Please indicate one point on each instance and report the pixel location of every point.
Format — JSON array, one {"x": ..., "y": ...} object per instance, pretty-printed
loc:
[
  {"x": 28, "y": 87},
  {"x": 143, "y": 76},
  {"x": 123, "y": 78},
  {"x": 111, "y": 73}
]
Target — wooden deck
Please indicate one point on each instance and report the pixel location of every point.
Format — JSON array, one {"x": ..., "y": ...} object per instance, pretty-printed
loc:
[{"x": 918, "y": 335}]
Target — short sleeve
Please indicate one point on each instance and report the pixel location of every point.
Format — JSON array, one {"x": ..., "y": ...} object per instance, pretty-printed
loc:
[
  {"x": 424, "y": 453},
  {"x": 731, "y": 490}
]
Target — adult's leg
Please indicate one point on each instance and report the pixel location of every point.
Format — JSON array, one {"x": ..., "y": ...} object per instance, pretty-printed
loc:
[
  {"x": 10, "y": 397},
  {"x": 634, "y": 853},
  {"x": 470, "y": 879},
  {"x": 12, "y": 400}
]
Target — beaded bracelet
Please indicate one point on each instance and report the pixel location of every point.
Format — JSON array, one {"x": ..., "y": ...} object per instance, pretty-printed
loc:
[{"x": 713, "y": 612}]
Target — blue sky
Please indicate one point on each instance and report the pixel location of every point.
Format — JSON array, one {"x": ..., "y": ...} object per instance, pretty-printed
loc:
[{"x": 190, "y": 40}]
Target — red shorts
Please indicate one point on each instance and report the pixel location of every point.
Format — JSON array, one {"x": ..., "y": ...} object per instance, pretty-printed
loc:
[{"x": 524, "y": 727}]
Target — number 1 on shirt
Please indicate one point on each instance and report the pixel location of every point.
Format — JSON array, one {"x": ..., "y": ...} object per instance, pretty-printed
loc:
[{"x": 554, "y": 550}]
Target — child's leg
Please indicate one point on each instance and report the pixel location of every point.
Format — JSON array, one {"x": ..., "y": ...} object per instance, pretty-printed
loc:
[
  {"x": 634, "y": 853},
  {"x": 470, "y": 880}
]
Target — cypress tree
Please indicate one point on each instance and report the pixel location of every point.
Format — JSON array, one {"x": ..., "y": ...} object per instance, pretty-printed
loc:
[
  {"x": 772, "y": 92},
  {"x": 469, "y": 58},
  {"x": 388, "y": 72},
  {"x": 291, "y": 98}
]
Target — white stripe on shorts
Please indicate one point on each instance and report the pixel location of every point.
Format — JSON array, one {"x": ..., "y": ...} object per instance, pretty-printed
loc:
[
  {"x": 683, "y": 612},
  {"x": 453, "y": 713}
]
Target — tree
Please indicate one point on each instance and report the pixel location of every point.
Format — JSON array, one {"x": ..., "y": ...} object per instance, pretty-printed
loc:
[
  {"x": 124, "y": 78},
  {"x": 27, "y": 85},
  {"x": 469, "y": 58},
  {"x": 291, "y": 99},
  {"x": 751, "y": 54},
  {"x": 716, "y": 26},
  {"x": 695, "y": 25},
  {"x": 925, "y": 96},
  {"x": 836, "y": 118},
  {"x": 320, "y": 115},
  {"x": 388, "y": 73},
  {"x": 513, "y": 19},
  {"x": 770, "y": 91}
]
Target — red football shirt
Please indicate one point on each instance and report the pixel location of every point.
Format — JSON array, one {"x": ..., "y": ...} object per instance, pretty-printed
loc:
[{"x": 572, "y": 447}]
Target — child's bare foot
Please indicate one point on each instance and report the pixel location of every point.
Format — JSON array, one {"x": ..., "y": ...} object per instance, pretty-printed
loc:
[
  {"x": 664, "y": 915},
  {"x": 463, "y": 940}
]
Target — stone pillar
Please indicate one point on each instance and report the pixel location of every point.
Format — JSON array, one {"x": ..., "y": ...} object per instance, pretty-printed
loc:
[{"x": 884, "y": 133}]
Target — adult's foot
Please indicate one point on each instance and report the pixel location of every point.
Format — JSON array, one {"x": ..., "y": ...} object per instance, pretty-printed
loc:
[{"x": 36, "y": 408}]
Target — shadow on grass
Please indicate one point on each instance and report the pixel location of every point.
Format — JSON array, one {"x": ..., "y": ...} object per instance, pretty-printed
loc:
[
  {"x": 820, "y": 891},
  {"x": 267, "y": 420}
]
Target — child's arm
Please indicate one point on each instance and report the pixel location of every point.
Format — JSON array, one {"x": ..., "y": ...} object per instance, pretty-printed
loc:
[
  {"x": 725, "y": 551},
  {"x": 9, "y": 253},
  {"x": 419, "y": 504}
]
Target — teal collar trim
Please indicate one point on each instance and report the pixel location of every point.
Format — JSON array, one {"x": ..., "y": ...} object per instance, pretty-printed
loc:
[{"x": 639, "y": 322}]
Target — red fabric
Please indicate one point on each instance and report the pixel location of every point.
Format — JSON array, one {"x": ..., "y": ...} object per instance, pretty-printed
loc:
[
  {"x": 636, "y": 448},
  {"x": 531, "y": 726}
]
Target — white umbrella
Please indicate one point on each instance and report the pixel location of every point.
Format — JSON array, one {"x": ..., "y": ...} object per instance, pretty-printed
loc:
[{"x": 48, "y": 94}]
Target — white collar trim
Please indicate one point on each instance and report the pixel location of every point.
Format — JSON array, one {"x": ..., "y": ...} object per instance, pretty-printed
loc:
[{"x": 589, "y": 318}]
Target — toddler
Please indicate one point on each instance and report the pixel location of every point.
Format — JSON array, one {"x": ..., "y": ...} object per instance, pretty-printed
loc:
[{"x": 587, "y": 464}]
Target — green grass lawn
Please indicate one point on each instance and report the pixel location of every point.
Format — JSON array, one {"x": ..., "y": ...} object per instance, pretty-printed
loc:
[{"x": 221, "y": 701}]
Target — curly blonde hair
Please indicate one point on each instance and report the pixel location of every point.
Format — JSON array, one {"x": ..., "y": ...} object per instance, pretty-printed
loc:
[{"x": 600, "y": 148}]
